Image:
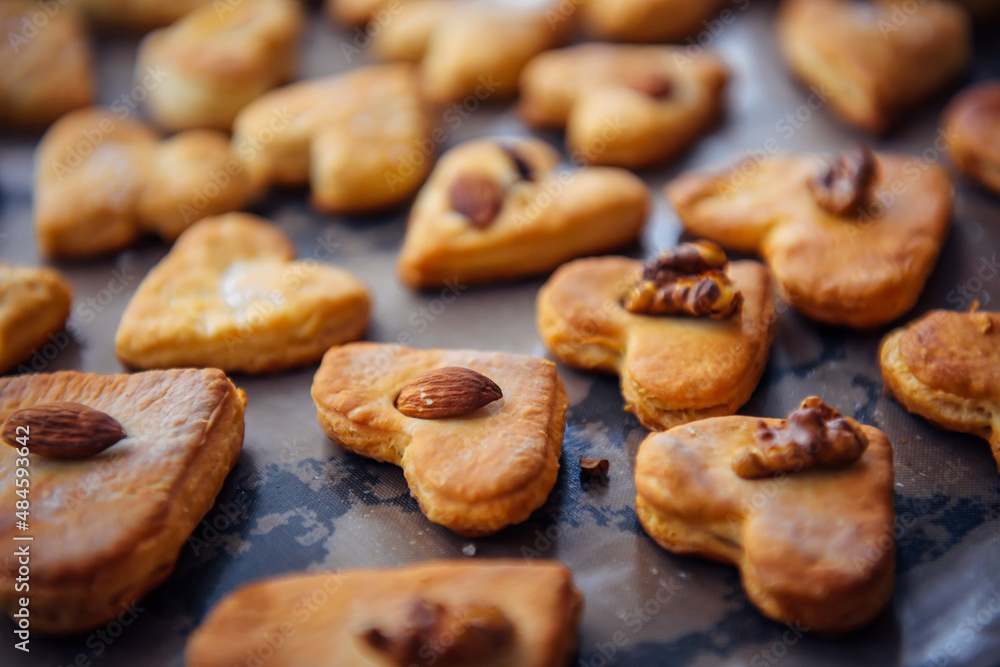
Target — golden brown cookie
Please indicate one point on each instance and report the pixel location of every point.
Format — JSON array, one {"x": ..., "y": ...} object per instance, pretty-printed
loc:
[
  {"x": 449, "y": 613},
  {"x": 648, "y": 20},
  {"x": 360, "y": 12},
  {"x": 219, "y": 58},
  {"x": 851, "y": 241},
  {"x": 229, "y": 295},
  {"x": 361, "y": 139},
  {"x": 803, "y": 507},
  {"x": 689, "y": 337},
  {"x": 44, "y": 71},
  {"x": 466, "y": 50},
  {"x": 629, "y": 106},
  {"x": 972, "y": 126},
  {"x": 496, "y": 210},
  {"x": 945, "y": 367},
  {"x": 108, "y": 528},
  {"x": 485, "y": 453},
  {"x": 142, "y": 15},
  {"x": 872, "y": 62},
  {"x": 34, "y": 304},
  {"x": 102, "y": 179}
]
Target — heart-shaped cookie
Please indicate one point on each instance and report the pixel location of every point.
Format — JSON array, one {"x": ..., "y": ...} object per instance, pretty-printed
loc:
[
  {"x": 945, "y": 367},
  {"x": 107, "y": 529},
  {"x": 497, "y": 210},
  {"x": 446, "y": 613},
  {"x": 360, "y": 139},
  {"x": 34, "y": 304},
  {"x": 102, "y": 179},
  {"x": 466, "y": 51},
  {"x": 628, "y": 106},
  {"x": 477, "y": 434},
  {"x": 675, "y": 366},
  {"x": 652, "y": 20},
  {"x": 851, "y": 242},
  {"x": 872, "y": 61},
  {"x": 220, "y": 57},
  {"x": 803, "y": 506},
  {"x": 229, "y": 295},
  {"x": 43, "y": 73}
]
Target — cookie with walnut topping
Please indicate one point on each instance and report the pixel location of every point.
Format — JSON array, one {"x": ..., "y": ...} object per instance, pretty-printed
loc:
[
  {"x": 803, "y": 506},
  {"x": 628, "y": 106},
  {"x": 220, "y": 58},
  {"x": 945, "y": 367},
  {"x": 448, "y": 613},
  {"x": 851, "y": 240},
  {"x": 874, "y": 61},
  {"x": 500, "y": 209},
  {"x": 477, "y": 434},
  {"x": 689, "y": 334}
]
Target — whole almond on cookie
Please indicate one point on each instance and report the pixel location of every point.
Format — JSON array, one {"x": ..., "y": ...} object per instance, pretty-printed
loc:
[
  {"x": 62, "y": 430},
  {"x": 446, "y": 392}
]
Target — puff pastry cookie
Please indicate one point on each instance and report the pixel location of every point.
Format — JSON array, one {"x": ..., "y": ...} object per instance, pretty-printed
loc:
[
  {"x": 459, "y": 614},
  {"x": 102, "y": 180},
  {"x": 220, "y": 57},
  {"x": 689, "y": 335},
  {"x": 43, "y": 72},
  {"x": 141, "y": 15},
  {"x": 874, "y": 61},
  {"x": 465, "y": 49},
  {"x": 945, "y": 367},
  {"x": 851, "y": 241},
  {"x": 648, "y": 20},
  {"x": 34, "y": 304},
  {"x": 475, "y": 469},
  {"x": 803, "y": 506},
  {"x": 229, "y": 295},
  {"x": 108, "y": 529},
  {"x": 631, "y": 106},
  {"x": 498, "y": 210},
  {"x": 972, "y": 126},
  {"x": 359, "y": 139}
]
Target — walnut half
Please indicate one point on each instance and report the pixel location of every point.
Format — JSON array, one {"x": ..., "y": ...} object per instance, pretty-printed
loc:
[
  {"x": 689, "y": 279},
  {"x": 432, "y": 634},
  {"x": 815, "y": 435},
  {"x": 842, "y": 188}
]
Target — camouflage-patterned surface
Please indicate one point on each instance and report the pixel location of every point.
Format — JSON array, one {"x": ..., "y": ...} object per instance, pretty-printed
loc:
[{"x": 296, "y": 502}]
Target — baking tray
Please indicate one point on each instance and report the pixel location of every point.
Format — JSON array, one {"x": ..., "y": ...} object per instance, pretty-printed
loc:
[{"x": 297, "y": 502}]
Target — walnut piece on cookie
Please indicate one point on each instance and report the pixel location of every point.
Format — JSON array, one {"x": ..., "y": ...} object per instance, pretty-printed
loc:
[
  {"x": 449, "y": 613},
  {"x": 101, "y": 181},
  {"x": 219, "y": 58},
  {"x": 34, "y": 305},
  {"x": 870, "y": 64},
  {"x": 488, "y": 465},
  {"x": 229, "y": 295},
  {"x": 43, "y": 73},
  {"x": 109, "y": 527},
  {"x": 499, "y": 209},
  {"x": 945, "y": 367},
  {"x": 627, "y": 106},
  {"x": 851, "y": 240},
  {"x": 811, "y": 531},
  {"x": 674, "y": 367},
  {"x": 361, "y": 140}
]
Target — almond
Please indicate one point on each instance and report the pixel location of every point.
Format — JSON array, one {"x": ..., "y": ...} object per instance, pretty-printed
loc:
[
  {"x": 477, "y": 197},
  {"x": 61, "y": 430},
  {"x": 446, "y": 392}
]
